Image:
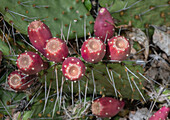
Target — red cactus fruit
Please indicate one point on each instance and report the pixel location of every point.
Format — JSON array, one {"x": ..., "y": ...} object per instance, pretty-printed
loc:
[
  {"x": 106, "y": 107},
  {"x": 30, "y": 63},
  {"x": 56, "y": 50},
  {"x": 38, "y": 33},
  {"x": 161, "y": 114},
  {"x": 104, "y": 25},
  {"x": 19, "y": 81},
  {"x": 73, "y": 68},
  {"x": 118, "y": 48},
  {"x": 93, "y": 50}
]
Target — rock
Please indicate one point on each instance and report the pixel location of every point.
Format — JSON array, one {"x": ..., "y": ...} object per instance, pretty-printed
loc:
[
  {"x": 140, "y": 114},
  {"x": 162, "y": 40}
]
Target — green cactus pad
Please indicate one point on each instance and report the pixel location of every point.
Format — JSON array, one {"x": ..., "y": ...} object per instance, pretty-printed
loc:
[
  {"x": 142, "y": 13},
  {"x": 4, "y": 48},
  {"x": 57, "y": 14},
  {"x": 104, "y": 84},
  {"x": 9, "y": 100}
]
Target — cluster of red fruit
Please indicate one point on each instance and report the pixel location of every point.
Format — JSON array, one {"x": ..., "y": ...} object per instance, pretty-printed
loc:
[{"x": 54, "y": 49}]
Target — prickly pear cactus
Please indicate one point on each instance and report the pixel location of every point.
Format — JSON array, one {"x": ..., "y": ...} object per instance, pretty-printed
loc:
[
  {"x": 53, "y": 96},
  {"x": 69, "y": 15},
  {"x": 141, "y": 13},
  {"x": 122, "y": 80},
  {"x": 107, "y": 78}
]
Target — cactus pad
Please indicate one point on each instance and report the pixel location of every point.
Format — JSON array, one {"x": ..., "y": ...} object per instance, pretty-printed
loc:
[
  {"x": 57, "y": 14},
  {"x": 141, "y": 13}
]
